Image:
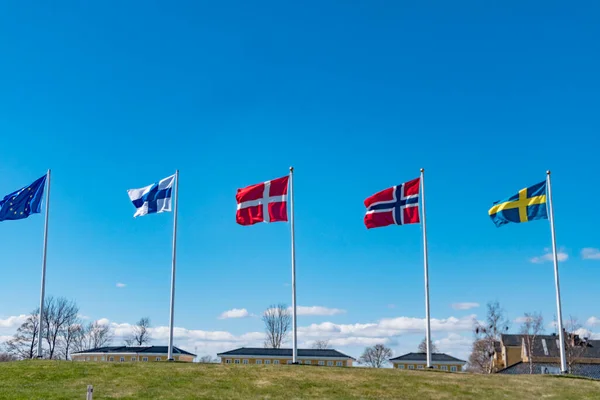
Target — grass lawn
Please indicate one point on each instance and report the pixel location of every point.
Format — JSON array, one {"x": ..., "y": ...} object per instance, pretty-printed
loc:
[{"x": 68, "y": 380}]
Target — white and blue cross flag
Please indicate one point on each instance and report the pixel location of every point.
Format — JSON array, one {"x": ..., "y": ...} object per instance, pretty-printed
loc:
[{"x": 155, "y": 198}]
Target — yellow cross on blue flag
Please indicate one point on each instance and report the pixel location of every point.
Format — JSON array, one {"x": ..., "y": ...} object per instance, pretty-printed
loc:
[{"x": 527, "y": 205}]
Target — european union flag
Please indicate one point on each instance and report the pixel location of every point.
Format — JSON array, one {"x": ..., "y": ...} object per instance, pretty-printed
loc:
[
  {"x": 23, "y": 202},
  {"x": 527, "y": 205}
]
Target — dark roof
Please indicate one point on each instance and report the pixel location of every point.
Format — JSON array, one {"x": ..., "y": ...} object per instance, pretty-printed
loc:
[
  {"x": 439, "y": 357},
  {"x": 586, "y": 370},
  {"x": 592, "y": 349},
  {"x": 142, "y": 349},
  {"x": 261, "y": 351},
  {"x": 511, "y": 340}
]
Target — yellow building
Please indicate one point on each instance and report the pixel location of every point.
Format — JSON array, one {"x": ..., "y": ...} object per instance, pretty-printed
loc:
[
  {"x": 440, "y": 361},
  {"x": 132, "y": 354},
  {"x": 265, "y": 356},
  {"x": 512, "y": 355}
]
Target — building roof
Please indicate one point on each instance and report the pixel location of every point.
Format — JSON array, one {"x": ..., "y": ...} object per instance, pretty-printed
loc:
[
  {"x": 549, "y": 346},
  {"x": 586, "y": 370},
  {"x": 439, "y": 357},
  {"x": 141, "y": 349},
  {"x": 266, "y": 352}
]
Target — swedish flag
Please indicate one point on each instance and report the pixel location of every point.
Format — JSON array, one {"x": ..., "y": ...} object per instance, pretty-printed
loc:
[{"x": 527, "y": 205}]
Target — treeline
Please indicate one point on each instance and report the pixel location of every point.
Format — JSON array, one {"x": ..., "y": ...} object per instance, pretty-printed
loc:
[{"x": 63, "y": 332}]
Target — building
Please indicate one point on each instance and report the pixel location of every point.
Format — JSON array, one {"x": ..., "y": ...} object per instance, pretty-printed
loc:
[
  {"x": 512, "y": 355},
  {"x": 259, "y": 355},
  {"x": 441, "y": 361},
  {"x": 132, "y": 354}
]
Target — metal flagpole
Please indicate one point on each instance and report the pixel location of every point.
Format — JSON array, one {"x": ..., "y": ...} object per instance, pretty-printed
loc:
[
  {"x": 170, "y": 355},
  {"x": 294, "y": 326},
  {"x": 426, "y": 266},
  {"x": 44, "y": 252},
  {"x": 561, "y": 333}
]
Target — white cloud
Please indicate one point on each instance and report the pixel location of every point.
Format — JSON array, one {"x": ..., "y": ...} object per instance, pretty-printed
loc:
[
  {"x": 318, "y": 310},
  {"x": 455, "y": 345},
  {"x": 12, "y": 322},
  {"x": 590, "y": 253},
  {"x": 521, "y": 320},
  {"x": 464, "y": 306},
  {"x": 121, "y": 285},
  {"x": 593, "y": 321},
  {"x": 235, "y": 313},
  {"x": 548, "y": 257}
]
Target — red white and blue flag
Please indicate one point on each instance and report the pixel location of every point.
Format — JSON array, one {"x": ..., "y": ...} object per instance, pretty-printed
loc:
[
  {"x": 263, "y": 202},
  {"x": 398, "y": 205}
]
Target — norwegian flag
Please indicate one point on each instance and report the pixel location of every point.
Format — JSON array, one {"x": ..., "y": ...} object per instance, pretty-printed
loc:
[
  {"x": 398, "y": 205},
  {"x": 263, "y": 202}
]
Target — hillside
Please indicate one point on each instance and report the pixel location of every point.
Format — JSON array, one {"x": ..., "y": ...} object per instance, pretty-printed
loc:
[{"x": 68, "y": 380}]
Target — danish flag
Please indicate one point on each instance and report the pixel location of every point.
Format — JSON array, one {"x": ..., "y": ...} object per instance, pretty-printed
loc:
[
  {"x": 263, "y": 202},
  {"x": 397, "y": 205}
]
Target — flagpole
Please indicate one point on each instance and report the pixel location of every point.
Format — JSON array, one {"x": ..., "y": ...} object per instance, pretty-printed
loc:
[
  {"x": 294, "y": 324},
  {"x": 426, "y": 267},
  {"x": 44, "y": 252},
  {"x": 174, "y": 259},
  {"x": 561, "y": 333}
]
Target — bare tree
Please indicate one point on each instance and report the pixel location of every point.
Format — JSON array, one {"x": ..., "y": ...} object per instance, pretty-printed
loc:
[
  {"x": 141, "y": 333},
  {"x": 59, "y": 314},
  {"x": 24, "y": 343},
  {"x": 207, "y": 359},
  {"x": 278, "y": 321},
  {"x": 376, "y": 356},
  {"x": 92, "y": 336},
  {"x": 423, "y": 346},
  {"x": 533, "y": 325},
  {"x": 479, "y": 360},
  {"x": 489, "y": 332},
  {"x": 69, "y": 336},
  {"x": 575, "y": 346},
  {"x": 5, "y": 357},
  {"x": 321, "y": 344}
]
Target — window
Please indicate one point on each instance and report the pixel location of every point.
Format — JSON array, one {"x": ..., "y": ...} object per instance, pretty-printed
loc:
[
  {"x": 307, "y": 362},
  {"x": 111, "y": 359},
  {"x": 87, "y": 359},
  {"x": 103, "y": 358},
  {"x": 411, "y": 367},
  {"x": 419, "y": 367},
  {"x": 133, "y": 359},
  {"x": 435, "y": 367},
  {"x": 244, "y": 361},
  {"x": 145, "y": 359},
  {"x": 236, "y": 361},
  {"x": 276, "y": 362},
  {"x": 444, "y": 368},
  {"x": 122, "y": 359},
  {"x": 259, "y": 361},
  {"x": 453, "y": 368},
  {"x": 330, "y": 363},
  {"x": 227, "y": 361},
  {"x": 289, "y": 361},
  {"x": 401, "y": 366},
  {"x": 321, "y": 362},
  {"x": 157, "y": 358},
  {"x": 339, "y": 364},
  {"x": 95, "y": 358},
  {"x": 267, "y": 361}
]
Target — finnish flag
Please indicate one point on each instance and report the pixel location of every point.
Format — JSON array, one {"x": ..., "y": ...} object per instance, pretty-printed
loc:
[{"x": 155, "y": 198}]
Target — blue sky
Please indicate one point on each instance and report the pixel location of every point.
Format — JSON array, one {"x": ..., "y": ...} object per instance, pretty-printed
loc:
[{"x": 357, "y": 97}]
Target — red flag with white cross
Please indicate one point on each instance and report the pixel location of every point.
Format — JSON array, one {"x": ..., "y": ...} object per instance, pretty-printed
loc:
[{"x": 263, "y": 202}]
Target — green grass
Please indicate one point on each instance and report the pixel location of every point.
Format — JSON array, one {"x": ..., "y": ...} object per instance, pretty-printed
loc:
[{"x": 68, "y": 380}]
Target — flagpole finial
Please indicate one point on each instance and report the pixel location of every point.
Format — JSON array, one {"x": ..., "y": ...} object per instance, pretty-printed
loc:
[
  {"x": 291, "y": 169},
  {"x": 422, "y": 169},
  {"x": 548, "y": 172}
]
